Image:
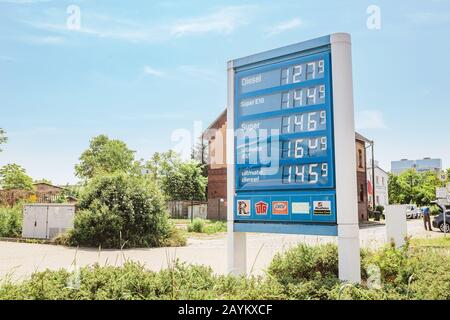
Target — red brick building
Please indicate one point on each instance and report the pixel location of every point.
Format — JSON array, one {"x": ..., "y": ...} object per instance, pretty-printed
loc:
[{"x": 217, "y": 170}]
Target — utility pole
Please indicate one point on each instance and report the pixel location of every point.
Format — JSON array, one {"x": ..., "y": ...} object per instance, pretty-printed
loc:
[{"x": 373, "y": 177}]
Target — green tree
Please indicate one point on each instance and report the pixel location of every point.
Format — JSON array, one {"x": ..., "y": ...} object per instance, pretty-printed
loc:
[
  {"x": 448, "y": 174},
  {"x": 185, "y": 182},
  {"x": 13, "y": 176},
  {"x": 104, "y": 156},
  {"x": 163, "y": 163},
  {"x": 395, "y": 189},
  {"x": 426, "y": 191},
  {"x": 413, "y": 187},
  {"x": 3, "y": 138}
]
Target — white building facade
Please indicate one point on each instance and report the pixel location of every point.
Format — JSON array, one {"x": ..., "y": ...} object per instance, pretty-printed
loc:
[
  {"x": 421, "y": 165},
  {"x": 380, "y": 185}
]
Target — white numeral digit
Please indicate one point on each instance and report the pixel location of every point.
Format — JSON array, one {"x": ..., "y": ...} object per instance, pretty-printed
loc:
[
  {"x": 299, "y": 173},
  {"x": 312, "y": 95},
  {"x": 313, "y": 67},
  {"x": 285, "y": 77},
  {"x": 298, "y": 122},
  {"x": 288, "y": 126},
  {"x": 324, "y": 169},
  {"x": 312, "y": 124},
  {"x": 313, "y": 176},
  {"x": 321, "y": 66},
  {"x": 298, "y": 97},
  {"x": 297, "y": 74},
  {"x": 299, "y": 148},
  {"x": 321, "y": 92},
  {"x": 313, "y": 145},
  {"x": 323, "y": 143},
  {"x": 323, "y": 117}
]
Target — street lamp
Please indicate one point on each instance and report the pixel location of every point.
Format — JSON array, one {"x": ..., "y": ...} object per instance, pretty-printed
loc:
[
  {"x": 373, "y": 174},
  {"x": 220, "y": 204}
]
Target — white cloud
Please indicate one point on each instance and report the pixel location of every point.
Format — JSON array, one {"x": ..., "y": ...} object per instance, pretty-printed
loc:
[
  {"x": 223, "y": 21},
  {"x": 154, "y": 72},
  {"x": 285, "y": 26},
  {"x": 199, "y": 72},
  {"x": 369, "y": 119}
]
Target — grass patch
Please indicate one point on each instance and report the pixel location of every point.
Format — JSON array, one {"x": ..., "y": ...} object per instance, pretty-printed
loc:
[
  {"x": 207, "y": 226},
  {"x": 180, "y": 221},
  {"x": 431, "y": 242}
]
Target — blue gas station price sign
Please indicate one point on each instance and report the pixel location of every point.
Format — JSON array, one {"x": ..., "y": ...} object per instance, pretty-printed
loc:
[{"x": 284, "y": 141}]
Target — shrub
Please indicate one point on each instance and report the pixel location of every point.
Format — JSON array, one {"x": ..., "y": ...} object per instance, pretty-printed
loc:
[
  {"x": 197, "y": 225},
  {"x": 177, "y": 238},
  {"x": 11, "y": 221},
  {"x": 204, "y": 226},
  {"x": 214, "y": 227},
  {"x": 118, "y": 210},
  {"x": 414, "y": 273},
  {"x": 304, "y": 263}
]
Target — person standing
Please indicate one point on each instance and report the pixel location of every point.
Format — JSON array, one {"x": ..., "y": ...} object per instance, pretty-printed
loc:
[{"x": 426, "y": 218}]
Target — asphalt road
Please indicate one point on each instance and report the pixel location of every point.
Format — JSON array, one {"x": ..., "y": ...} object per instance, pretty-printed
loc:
[{"x": 20, "y": 260}]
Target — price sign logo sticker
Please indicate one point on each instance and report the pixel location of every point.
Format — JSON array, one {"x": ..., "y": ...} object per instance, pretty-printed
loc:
[
  {"x": 300, "y": 207},
  {"x": 280, "y": 207},
  {"x": 243, "y": 207},
  {"x": 322, "y": 207},
  {"x": 261, "y": 208}
]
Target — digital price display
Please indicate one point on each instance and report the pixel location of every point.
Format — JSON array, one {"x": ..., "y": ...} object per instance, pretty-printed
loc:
[{"x": 284, "y": 140}]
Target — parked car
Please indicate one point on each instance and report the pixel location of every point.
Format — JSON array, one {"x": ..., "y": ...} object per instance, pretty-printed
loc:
[
  {"x": 438, "y": 221},
  {"x": 412, "y": 212}
]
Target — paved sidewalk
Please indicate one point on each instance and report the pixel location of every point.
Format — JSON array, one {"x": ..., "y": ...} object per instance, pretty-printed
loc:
[{"x": 22, "y": 259}]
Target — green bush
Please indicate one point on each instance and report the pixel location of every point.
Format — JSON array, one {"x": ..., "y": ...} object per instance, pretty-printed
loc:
[
  {"x": 134, "y": 282},
  {"x": 205, "y": 226},
  {"x": 11, "y": 221},
  {"x": 197, "y": 225},
  {"x": 416, "y": 273},
  {"x": 304, "y": 263},
  {"x": 215, "y": 227},
  {"x": 121, "y": 211},
  {"x": 177, "y": 238}
]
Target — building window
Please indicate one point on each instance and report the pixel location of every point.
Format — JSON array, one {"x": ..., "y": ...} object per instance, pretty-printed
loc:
[
  {"x": 378, "y": 200},
  {"x": 360, "y": 158},
  {"x": 383, "y": 182},
  {"x": 377, "y": 180},
  {"x": 361, "y": 192}
]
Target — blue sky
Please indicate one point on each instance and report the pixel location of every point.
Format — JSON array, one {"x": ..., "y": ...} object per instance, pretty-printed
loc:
[{"x": 138, "y": 70}]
